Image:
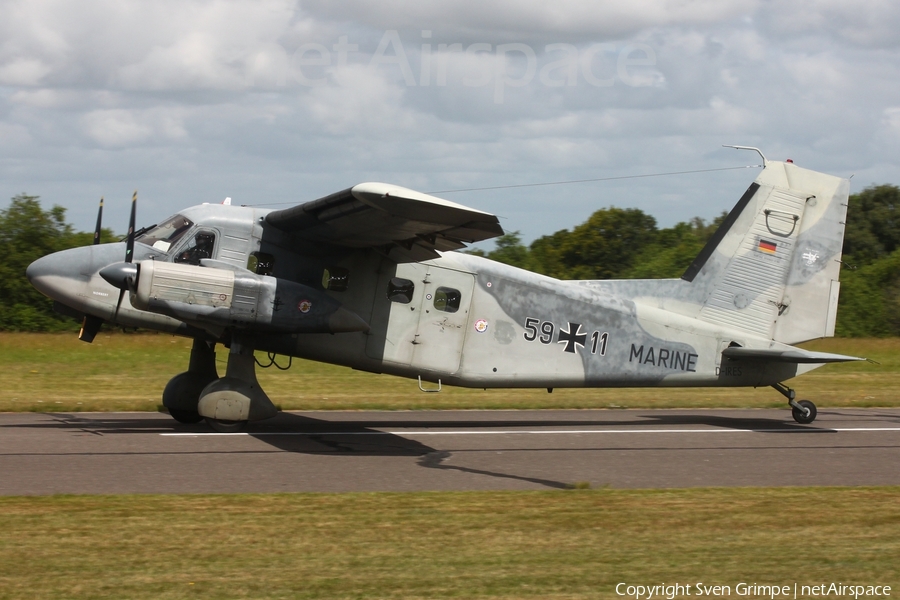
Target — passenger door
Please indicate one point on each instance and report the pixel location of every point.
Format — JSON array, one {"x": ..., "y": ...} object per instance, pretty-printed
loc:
[
  {"x": 443, "y": 319},
  {"x": 426, "y": 312}
]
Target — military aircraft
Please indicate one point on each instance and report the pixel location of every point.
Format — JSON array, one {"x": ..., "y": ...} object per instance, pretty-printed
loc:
[{"x": 368, "y": 278}]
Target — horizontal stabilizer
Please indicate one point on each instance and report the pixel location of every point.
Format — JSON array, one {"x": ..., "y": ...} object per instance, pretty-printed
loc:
[{"x": 794, "y": 355}]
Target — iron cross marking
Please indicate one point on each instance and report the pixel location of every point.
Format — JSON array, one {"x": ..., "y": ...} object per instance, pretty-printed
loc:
[{"x": 572, "y": 337}]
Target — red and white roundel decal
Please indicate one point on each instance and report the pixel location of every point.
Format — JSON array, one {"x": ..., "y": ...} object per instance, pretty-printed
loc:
[
  {"x": 304, "y": 306},
  {"x": 481, "y": 325}
]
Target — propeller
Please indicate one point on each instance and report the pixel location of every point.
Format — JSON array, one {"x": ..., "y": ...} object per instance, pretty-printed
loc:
[
  {"x": 123, "y": 275},
  {"x": 99, "y": 223},
  {"x": 129, "y": 245},
  {"x": 90, "y": 325}
]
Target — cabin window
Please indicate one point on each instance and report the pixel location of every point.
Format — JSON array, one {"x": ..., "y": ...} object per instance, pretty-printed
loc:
[
  {"x": 261, "y": 263},
  {"x": 336, "y": 279},
  {"x": 400, "y": 290},
  {"x": 200, "y": 247},
  {"x": 447, "y": 299}
]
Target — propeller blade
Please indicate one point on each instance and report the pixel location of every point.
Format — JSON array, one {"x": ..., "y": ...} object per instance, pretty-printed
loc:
[
  {"x": 125, "y": 278},
  {"x": 118, "y": 305},
  {"x": 90, "y": 324},
  {"x": 89, "y": 328},
  {"x": 99, "y": 223},
  {"x": 129, "y": 245}
]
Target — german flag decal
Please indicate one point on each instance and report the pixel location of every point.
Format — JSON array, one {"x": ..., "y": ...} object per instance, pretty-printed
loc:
[{"x": 767, "y": 246}]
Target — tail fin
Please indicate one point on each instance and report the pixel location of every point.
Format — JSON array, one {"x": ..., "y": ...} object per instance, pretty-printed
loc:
[{"x": 772, "y": 267}]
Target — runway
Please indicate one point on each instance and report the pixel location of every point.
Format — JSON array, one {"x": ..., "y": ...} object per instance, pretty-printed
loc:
[{"x": 113, "y": 453}]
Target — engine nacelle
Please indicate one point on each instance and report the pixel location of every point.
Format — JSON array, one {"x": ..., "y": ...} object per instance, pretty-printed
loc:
[{"x": 238, "y": 299}]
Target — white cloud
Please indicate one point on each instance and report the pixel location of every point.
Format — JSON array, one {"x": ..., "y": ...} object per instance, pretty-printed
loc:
[
  {"x": 867, "y": 23},
  {"x": 23, "y": 71},
  {"x": 13, "y": 137},
  {"x": 891, "y": 118},
  {"x": 119, "y": 127},
  {"x": 159, "y": 45},
  {"x": 191, "y": 100},
  {"x": 819, "y": 72},
  {"x": 528, "y": 20}
]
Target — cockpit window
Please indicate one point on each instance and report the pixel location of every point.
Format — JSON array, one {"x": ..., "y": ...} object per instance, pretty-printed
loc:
[
  {"x": 166, "y": 233},
  {"x": 197, "y": 249}
]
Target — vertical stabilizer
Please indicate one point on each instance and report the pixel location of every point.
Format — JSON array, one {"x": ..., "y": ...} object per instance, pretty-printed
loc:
[{"x": 772, "y": 268}]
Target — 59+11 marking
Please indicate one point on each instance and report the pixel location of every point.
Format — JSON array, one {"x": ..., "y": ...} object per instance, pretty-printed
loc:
[{"x": 572, "y": 336}]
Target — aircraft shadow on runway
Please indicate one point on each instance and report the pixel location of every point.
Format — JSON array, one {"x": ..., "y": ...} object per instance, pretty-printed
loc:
[
  {"x": 291, "y": 432},
  {"x": 313, "y": 436},
  {"x": 301, "y": 433},
  {"x": 286, "y": 423},
  {"x": 649, "y": 419}
]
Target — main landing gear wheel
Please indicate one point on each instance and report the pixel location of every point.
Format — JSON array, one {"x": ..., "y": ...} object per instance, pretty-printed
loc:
[
  {"x": 223, "y": 426},
  {"x": 802, "y": 416},
  {"x": 228, "y": 403},
  {"x": 182, "y": 394}
]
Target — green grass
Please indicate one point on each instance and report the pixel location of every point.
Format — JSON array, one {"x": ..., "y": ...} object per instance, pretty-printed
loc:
[
  {"x": 56, "y": 372},
  {"x": 569, "y": 544},
  {"x": 561, "y": 544}
]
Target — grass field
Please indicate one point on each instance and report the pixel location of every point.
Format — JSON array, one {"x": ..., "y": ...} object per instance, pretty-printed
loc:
[
  {"x": 561, "y": 544},
  {"x": 56, "y": 372}
]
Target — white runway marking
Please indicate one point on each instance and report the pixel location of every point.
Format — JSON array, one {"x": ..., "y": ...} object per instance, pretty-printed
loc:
[{"x": 532, "y": 432}]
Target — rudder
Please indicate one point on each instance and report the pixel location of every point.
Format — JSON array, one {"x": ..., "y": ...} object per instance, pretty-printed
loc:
[{"x": 772, "y": 267}]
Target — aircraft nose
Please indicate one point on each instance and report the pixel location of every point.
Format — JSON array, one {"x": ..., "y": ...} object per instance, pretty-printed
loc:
[
  {"x": 42, "y": 273},
  {"x": 36, "y": 269}
]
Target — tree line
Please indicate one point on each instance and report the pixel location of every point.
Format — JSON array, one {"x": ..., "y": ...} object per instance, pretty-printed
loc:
[
  {"x": 27, "y": 232},
  {"x": 614, "y": 243}
]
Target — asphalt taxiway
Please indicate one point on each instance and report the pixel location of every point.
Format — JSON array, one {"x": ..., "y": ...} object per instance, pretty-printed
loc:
[{"x": 100, "y": 453}]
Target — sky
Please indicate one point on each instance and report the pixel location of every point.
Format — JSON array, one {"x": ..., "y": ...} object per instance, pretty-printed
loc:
[{"x": 275, "y": 103}]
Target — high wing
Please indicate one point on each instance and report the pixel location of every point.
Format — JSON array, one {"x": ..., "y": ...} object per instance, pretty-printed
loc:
[{"x": 405, "y": 225}]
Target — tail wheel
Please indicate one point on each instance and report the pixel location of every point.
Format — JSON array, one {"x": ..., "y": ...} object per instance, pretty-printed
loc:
[{"x": 802, "y": 416}]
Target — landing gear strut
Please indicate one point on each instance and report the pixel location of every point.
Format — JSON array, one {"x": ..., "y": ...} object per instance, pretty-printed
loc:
[
  {"x": 228, "y": 403},
  {"x": 182, "y": 393},
  {"x": 803, "y": 411}
]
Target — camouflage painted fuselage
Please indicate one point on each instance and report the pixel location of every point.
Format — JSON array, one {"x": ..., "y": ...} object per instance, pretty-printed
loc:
[{"x": 766, "y": 280}]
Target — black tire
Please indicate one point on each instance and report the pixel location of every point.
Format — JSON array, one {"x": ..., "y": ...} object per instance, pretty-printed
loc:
[
  {"x": 188, "y": 417},
  {"x": 226, "y": 426},
  {"x": 802, "y": 417},
  {"x": 182, "y": 393}
]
